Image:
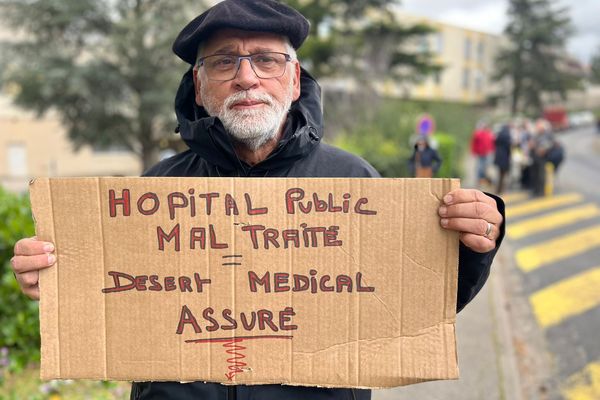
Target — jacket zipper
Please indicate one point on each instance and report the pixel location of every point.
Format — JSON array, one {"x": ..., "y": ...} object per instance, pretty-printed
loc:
[{"x": 231, "y": 393}]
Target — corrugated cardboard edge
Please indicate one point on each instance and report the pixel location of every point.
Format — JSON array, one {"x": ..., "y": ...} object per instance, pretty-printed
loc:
[
  {"x": 453, "y": 244},
  {"x": 41, "y": 206},
  {"x": 41, "y": 198},
  {"x": 449, "y": 371}
]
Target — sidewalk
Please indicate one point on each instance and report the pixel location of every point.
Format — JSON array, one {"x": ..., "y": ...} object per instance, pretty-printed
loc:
[
  {"x": 488, "y": 368},
  {"x": 486, "y": 356}
]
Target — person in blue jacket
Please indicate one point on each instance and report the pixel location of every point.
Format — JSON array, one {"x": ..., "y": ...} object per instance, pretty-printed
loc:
[
  {"x": 425, "y": 160},
  {"x": 246, "y": 108}
]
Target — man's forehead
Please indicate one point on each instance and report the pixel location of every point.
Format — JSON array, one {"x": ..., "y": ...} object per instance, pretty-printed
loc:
[{"x": 234, "y": 39}]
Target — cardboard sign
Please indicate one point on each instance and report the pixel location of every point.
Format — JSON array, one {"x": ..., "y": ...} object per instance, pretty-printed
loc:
[{"x": 322, "y": 282}]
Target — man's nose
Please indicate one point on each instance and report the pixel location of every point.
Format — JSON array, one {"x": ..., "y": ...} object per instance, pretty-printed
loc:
[{"x": 246, "y": 78}]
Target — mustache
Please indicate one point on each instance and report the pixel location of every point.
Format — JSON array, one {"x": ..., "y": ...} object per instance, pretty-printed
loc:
[{"x": 246, "y": 95}]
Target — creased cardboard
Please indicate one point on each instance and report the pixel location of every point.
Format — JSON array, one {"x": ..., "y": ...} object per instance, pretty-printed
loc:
[{"x": 320, "y": 282}]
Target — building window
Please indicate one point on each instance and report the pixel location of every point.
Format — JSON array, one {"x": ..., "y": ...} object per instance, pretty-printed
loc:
[
  {"x": 437, "y": 77},
  {"x": 17, "y": 159},
  {"x": 439, "y": 42},
  {"x": 424, "y": 44},
  {"x": 466, "y": 79},
  {"x": 480, "y": 51},
  {"x": 467, "y": 49},
  {"x": 479, "y": 82}
]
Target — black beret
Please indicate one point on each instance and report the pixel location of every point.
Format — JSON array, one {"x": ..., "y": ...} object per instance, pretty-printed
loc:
[{"x": 248, "y": 15}]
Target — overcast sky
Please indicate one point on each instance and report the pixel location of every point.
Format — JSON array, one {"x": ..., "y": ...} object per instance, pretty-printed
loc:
[{"x": 490, "y": 16}]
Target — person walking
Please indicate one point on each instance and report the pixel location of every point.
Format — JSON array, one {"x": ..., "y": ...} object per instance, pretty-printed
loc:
[
  {"x": 502, "y": 156},
  {"x": 482, "y": 146},
  {"x": 425, "y": 161}
]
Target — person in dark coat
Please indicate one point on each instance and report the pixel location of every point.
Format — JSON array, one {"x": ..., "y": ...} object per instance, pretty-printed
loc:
[
  {"x": 542, "y": 143},
  {"x": 424, "y": 161},
  {"x": 502, "y": 155},
  {"x": 556, "y": 155},
  {"x": 247, "y": 109}
]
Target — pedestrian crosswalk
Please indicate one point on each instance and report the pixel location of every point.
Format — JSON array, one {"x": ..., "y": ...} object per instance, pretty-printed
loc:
[
  {"x": 584, "y": 385},
  {"x": 554, "y": 220},
  {"x": 543, "y": 204},
  {"x": 549, "y": 233},
  {"x": 566, "y": 298},
  {"x": 560, "y": 248},
  {"x": 514, "y": 197}
]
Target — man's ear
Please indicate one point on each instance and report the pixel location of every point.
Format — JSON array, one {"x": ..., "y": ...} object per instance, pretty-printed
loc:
[
  {"x": 296, "y": 78},
  {"x": 197, "y": 84}
]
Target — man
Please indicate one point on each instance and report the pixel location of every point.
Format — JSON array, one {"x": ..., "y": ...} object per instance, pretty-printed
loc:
[
  {"x": 246, "y": 108},
  {"x": 503, "y": 155},
  {"x": 425, "y": 160},
  {"x": 482, "y": 145}
]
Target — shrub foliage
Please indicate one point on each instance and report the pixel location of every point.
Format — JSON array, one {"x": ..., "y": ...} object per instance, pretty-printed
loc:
[{"x": 19, "y": 319}]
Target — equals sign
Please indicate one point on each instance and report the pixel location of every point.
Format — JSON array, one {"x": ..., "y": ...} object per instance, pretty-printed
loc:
[{"x": 233, "y": 257}]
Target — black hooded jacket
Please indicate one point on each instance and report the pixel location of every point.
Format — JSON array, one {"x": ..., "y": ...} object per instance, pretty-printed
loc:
[{"x": 300, "y": 153}]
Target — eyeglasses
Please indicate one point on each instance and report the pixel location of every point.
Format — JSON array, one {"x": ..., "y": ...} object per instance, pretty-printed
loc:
[{"x": 224, "y": 67}]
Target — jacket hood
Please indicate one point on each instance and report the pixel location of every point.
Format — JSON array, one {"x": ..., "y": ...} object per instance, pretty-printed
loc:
[{"x": 207, "y": 137}]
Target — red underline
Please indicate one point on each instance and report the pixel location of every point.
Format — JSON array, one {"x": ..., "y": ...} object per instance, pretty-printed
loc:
[{"x": 237, "y": 338}]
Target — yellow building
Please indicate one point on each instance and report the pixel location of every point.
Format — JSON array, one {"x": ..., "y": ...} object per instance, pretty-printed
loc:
[
  {"x": 39, "y": 147},
  {"x": 32, "y": 147},
  {"x": 468, "y": 60}
]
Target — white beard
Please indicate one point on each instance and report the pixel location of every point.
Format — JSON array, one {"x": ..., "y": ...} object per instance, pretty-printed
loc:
[{"x": 253, "y": 128}]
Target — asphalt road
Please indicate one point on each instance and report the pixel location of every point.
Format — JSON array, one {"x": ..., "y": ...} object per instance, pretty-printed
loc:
[
  {"x": 581, "y": 170},
  {"x": 556, "y": 246},
  {"x": 533, "y": 333}
]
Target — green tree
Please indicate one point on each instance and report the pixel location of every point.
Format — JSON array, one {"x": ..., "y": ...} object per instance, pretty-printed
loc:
[
  {"x": 387, "y": 140},
  {"x": 364, "y": 43},
  {"x": 362, "y": 38},
  {"x": 104, "y": 66},
  {"x": 595, "y": 67},
  {"x": 534, "y": 60}
]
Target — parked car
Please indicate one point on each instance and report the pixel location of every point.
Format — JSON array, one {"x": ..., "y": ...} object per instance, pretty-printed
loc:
[
  {"x": 581, "y": 119},
  {"x": 557, "y": 116}
]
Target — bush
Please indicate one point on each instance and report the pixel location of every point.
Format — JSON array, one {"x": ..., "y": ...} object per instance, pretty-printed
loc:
[
  {"x": 385, "y": 154},
  {"x": 385, "y": 139},
  {"x": 19, "y": 318},
  {"x": 449, "y": 153}
]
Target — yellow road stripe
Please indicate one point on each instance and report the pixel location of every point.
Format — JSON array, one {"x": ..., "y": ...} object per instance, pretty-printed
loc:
[
  {"x": 584, "y": 385},
  {"x": 542, "y": 204},
  {"x": 567, "y": 298},
  {"x": 514, "y": 197},
  {"x": 533, "y": 257},
  {"x": 552, "y": 221}
]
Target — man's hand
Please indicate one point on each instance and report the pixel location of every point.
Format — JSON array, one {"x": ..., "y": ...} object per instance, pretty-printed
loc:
[
  {"x": 474, "y": 215},
  {"x": 31, "y": 255}
]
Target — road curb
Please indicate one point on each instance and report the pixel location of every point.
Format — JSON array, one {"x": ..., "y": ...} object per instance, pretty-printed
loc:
[{"x": 509, "y": 383}]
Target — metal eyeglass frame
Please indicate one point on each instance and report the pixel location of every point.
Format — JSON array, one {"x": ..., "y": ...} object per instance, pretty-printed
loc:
[{"x": 200, "y": 63}]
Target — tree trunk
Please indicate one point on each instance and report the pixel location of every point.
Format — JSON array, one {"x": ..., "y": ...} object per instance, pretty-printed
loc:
[
  {"x": 516, "y": 93},
  {"x": 146, "y": 137},
  {"x": 150, "y": 154}
]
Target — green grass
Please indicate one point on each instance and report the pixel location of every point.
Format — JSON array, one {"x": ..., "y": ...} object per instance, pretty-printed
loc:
[{"x": 27, "y": 385}]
